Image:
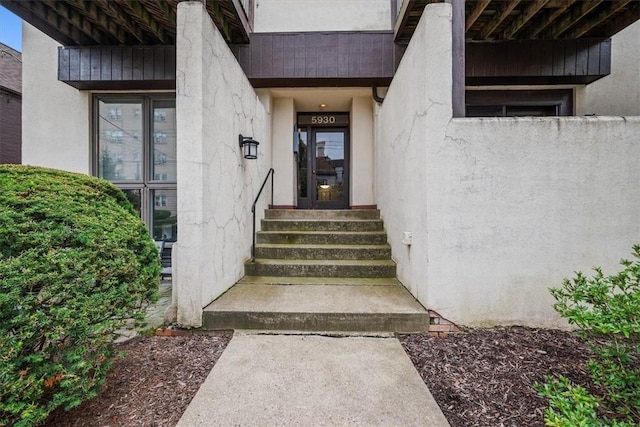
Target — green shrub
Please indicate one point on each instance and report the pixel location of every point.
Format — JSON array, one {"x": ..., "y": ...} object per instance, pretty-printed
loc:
[
  {"x": 76, "y": 264},
  {"x": 606, "y": 311}
]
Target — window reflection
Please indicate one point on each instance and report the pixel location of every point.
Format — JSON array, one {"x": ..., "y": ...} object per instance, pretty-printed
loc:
[
  {"x": 164, "y": 139},
  {"x": 118, "y": 142},
  {"x": 135, "y": 148},
  {"x": 330, "y": 166},
  {"x": 165, "y": 215}
]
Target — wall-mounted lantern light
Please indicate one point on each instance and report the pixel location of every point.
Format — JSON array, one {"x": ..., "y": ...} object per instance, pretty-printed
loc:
[{"x": 249, "y": 147}]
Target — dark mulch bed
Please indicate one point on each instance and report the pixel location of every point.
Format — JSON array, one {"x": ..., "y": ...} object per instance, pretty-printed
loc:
[
  {"x": 480, "y": 378},
  {"x": 151, "y": 385},
  {"x": 485, "y": 377}
]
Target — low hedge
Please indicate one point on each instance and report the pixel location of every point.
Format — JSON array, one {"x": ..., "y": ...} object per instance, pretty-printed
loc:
[{"x": 76, "y": 264}]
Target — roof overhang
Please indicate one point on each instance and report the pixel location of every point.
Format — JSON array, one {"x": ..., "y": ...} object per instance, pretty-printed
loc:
[
  {"x": 126, "y": 22},
  {"x": 531, "y": 19}
]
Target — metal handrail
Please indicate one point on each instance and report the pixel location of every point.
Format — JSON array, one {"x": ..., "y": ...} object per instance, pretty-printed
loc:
[{"x": 253, "y": 210}]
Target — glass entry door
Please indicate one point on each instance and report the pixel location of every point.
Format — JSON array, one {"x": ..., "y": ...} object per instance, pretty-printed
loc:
[{"x": 323, "y": 168}]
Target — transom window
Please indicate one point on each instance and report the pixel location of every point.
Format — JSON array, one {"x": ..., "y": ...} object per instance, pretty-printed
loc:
[{"x": 135, "y": 148}]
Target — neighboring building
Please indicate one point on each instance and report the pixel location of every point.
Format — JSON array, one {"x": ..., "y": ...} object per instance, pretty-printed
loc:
[
  {"x": 502, "y": 135},
  {"x": 10, "y": 105}
]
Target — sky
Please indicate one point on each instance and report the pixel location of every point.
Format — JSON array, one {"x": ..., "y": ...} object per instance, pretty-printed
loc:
[{"x": 10, "y": 29}]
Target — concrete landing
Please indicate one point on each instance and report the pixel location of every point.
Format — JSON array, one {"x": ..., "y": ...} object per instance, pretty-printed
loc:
[
  {"x": 311, "y": 307},
  {"x": 307, "y": 380}
]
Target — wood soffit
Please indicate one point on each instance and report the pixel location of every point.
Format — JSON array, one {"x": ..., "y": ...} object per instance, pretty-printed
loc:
[
  {"x": 153, "y": 22},
  {"x": 531, "y": 19},
  {"x": 123, "y": 22}
]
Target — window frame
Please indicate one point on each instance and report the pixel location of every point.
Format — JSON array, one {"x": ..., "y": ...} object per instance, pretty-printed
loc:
[
  {"x": 147, "y": 185},
  {"x": 560, "y": 99}
]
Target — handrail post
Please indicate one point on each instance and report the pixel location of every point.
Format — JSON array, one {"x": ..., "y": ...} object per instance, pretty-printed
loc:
[{"x": 253, "y": 211}]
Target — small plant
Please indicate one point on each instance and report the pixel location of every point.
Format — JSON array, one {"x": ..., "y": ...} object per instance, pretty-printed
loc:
[
  {"x": 76, "y": 263},
  {"x": 606, "y": 311}
]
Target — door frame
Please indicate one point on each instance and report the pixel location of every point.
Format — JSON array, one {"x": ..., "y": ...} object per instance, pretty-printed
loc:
[{"x": 312, "y": 123}]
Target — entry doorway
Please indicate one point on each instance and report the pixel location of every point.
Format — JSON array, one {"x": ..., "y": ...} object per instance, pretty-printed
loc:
[{"x": 322, "y": 153}]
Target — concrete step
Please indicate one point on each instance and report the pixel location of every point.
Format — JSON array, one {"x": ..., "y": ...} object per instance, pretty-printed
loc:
[
  {"x": 345, "y": 252},
  {"x": 316, "y": 308},
  {"x": 323, "y": 237},
  {"x": 322, "y": 214},
  {"x": 343, "y": 281},
  {"x": 320, "y": 268},
  {"x": 321, "y": 225}
]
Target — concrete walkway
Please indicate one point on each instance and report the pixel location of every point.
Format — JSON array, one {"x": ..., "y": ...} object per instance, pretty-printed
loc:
[{"x": 311, "y": 380}]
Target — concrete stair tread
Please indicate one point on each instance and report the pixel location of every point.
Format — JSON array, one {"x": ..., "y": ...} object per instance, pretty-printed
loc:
[
  {"x": 329, "y": 281},
  {"x": 344, "y": 299},
  {"x": 327, "y": 214},
  {"x": 320, "y": 246},
  {"x": 319, "y": 220},
  {"x": 344, "y": 233},
  {"x": 337, "y": 262}
]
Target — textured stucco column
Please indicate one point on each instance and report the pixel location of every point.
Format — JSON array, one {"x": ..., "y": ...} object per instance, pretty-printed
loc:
[
  {"x": 284, "y": 121},
  {"x": 216, "y": 186},
  {"x": 362, "y": 155},
  {"x": 414, "y": 114}
]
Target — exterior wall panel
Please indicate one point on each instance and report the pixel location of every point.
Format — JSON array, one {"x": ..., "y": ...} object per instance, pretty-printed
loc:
[
  {"x": 618, "y": 93},
  {"x": 319, "y": 59},
  {"x": 10, "y": 127},
  {"x": 514, "y": 62},
  {"x": 55, "y": 129},
  {"x": 118, "y": 67},
  {"x": 325, "y": 15}
]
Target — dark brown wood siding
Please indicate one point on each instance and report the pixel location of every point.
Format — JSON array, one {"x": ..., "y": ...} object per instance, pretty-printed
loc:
[
  {"x": 319, "y": 59},
  {"x": 10, "y": 127},
  {"x": 563, "y": 61},
  {"x": 339, "y": 59},
  {"x": 118, "y": 67}
]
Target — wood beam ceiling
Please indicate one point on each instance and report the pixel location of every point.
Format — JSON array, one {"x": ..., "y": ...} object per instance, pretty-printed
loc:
[
  {"x": 575, "y": 14},
  {"x": 477, "y": 11},
  {"x": 218, "y": 13},
  {"x": 123, "y": 22},
  {"x": 58, "y": 30},
  {"x": 522, "y": 19},
  {"x": 498, "y": 18},
  {"x": 60, "y": 22},
  {"x": 141, "y": 15},
  {"x": 587, "y": 25},
  {"x": 116, "y": 12},
  {"x": 89, "y": 13},
  {"x": 547, "y": 19},
  {"x": 623, "y": 20}
]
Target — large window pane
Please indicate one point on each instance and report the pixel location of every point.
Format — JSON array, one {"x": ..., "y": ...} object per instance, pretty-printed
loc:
[
  {"x": 135, "y": 197},
  {"x": 120, "y": 136},
  {"x": 163, "y": 141},
  {"x": 165, "y": 226},
  {"x": 135, "y": 147}
]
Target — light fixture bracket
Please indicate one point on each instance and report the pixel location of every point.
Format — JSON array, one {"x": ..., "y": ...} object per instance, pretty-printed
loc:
[{"x": 249, "y": 147}]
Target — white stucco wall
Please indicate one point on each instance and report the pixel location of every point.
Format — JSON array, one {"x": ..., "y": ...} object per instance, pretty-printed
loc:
[
  {"x": 415, "y": 112},
  {"x": 325, "y": 15},
  {"x": 500, "y": 209},
  {"x": 362, "y": 153},
  {"x": 284, "y": 120},
  {"x": 216, "y": 185},
  {"x": 55, "y": 116},
  {"x": 517, "y": 204},
  {"x": 618, "y": 94}
]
